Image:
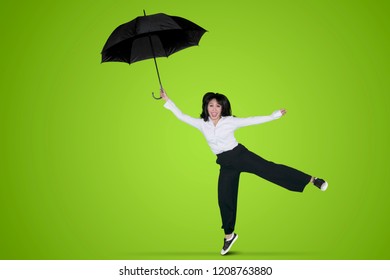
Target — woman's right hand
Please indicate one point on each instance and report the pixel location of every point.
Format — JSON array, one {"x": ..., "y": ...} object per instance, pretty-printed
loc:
[{"x": 163, "y": 94}]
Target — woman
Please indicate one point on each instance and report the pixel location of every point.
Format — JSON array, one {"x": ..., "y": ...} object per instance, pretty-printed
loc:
[{"x": 218, "y": 125}]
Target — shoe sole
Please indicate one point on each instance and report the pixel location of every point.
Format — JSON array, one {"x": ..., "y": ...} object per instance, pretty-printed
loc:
[
  {"x": 227, "y": 250},
  {"x": 324, "y": 186}
]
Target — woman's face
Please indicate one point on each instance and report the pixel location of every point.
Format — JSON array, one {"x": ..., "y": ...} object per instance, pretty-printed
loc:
[{"x": 214, "y": 109}]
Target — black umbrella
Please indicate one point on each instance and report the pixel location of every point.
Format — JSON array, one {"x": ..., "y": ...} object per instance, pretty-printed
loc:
[{"x": 151, "y": 36}]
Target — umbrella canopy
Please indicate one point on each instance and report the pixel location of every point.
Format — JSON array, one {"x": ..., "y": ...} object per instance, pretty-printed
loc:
[
  {"x": 151, "y": 36},
  {"x": 157, "y": 35}
]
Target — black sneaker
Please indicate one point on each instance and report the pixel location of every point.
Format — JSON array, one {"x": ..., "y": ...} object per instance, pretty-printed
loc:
[
  {"x": 321, "y": 184},
  {"x": 228, "y": 244}
]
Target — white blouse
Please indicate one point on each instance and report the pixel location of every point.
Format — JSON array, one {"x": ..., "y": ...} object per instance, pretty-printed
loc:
[{"x": 220, "y": 137}]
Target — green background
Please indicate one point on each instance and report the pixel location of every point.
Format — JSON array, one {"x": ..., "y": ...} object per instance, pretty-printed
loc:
[{"x": 93, "y": 168}]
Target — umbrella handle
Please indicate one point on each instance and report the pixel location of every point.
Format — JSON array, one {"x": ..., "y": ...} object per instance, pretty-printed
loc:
[{"x": 157, "y": 98}]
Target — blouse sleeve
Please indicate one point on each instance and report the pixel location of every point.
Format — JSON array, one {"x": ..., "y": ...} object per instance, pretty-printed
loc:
[
  {"x": 241, "y": 122},
  {"x": 183, "y": 117}
]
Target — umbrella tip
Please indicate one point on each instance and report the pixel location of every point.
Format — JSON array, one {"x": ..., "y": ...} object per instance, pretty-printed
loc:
[{"x": 144, "y": 13}]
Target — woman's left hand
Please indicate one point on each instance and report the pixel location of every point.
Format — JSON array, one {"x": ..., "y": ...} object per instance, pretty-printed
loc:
[{"x": 283, "y": 111}]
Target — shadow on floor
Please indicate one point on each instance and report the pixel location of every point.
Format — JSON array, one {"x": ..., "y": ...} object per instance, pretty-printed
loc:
[{"x": 262, "y": 255}]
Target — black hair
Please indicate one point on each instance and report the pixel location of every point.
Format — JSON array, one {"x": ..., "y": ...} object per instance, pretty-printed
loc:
[{"x": 221, "y": 99}]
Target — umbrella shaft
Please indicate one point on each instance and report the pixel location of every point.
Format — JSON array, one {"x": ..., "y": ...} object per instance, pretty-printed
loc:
[
  {"x": 158, "y": 73},
  {"x": 154, "y": 58},
  {"x": 155, "y": 62}
]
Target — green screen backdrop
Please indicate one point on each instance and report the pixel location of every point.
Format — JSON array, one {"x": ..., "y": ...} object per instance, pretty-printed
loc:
[{"x": 91, "y": 167}]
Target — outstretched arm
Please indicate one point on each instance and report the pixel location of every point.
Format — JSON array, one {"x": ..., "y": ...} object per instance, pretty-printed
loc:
[
  {"x": 178, "y": 113},
  {"x": 241, "y": 122}
]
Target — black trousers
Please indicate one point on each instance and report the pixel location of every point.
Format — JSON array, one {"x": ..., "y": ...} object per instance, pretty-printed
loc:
[{"x": 240, "y": 159}]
